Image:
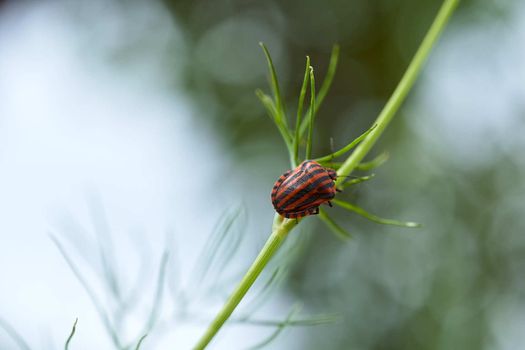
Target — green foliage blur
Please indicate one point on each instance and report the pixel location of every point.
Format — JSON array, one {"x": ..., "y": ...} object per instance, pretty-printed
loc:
[{"x": 454, "y": 284}]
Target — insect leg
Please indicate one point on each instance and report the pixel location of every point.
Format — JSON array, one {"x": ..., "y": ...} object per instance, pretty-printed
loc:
[{"x": 298, "y": 214}]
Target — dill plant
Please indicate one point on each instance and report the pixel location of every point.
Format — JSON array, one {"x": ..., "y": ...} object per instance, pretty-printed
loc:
[
  {"x": 304, "y": 125},
  {"x": 296, "y": 139}
]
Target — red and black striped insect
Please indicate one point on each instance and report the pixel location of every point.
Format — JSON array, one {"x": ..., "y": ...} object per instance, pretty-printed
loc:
[{"x": 300, "y": 192}]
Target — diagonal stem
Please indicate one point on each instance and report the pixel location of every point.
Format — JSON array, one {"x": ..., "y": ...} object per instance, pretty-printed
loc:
[
  {"x": 402, "y": 89},
  {"x": 272, "y": 244}
]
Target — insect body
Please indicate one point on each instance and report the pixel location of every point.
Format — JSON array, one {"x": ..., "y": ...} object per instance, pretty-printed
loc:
[{"x": 300, "y": 192}]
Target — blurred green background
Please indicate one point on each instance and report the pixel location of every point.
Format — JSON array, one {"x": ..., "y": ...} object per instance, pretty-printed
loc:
[{"x": 456, "y": 154}]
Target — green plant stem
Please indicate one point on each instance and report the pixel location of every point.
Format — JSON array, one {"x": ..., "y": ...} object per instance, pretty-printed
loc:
[
  {"x": 302, "y": 94},
  {"x": 281, "y": 228},
  {"x": 311, "y": 116},
  {"x": 266, "y": 253},
  {"x": 402, "y": 89},
  {"x": 66, "y": 346}
]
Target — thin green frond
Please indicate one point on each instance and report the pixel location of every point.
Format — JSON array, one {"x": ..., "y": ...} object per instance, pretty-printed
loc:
[
  {"x": 280, "y": 122},
  {"x": 139, "y": 343},
  {"x": 337, "y": 230},
  {"x": 267, "y": 102},
  {"x": 325, "y": 87},
  {"x": 329, "y": 78},
  {"x": 275, "y": 86},
  {"x": 280, "y": 328},
  {"x": 212, "y": 248},
  {"x": 346, "y": 148},
  {"x": 225, "y": 253},
  {"x": 14, "y": 335},
  {"x": 157, "y": 298},
  {"x": 374, "y": 163},
  {"x": 306, "y": 322},
  {"x": 94, "y": 299},
  {"x": 73, "y": 330},
  {"x": 281, "y": 264},
  {"x": 105, "y": 243},
  {"x": 311, "y": 116},
  {"x": 174, "y": 274},
  {"x": 358, "y": 180},
  {"x": 373, "y": 217},
  {"x": 265, "y": 292},
  {"x": 332, "y": 165},
  {"x": 297, "y": 137}
]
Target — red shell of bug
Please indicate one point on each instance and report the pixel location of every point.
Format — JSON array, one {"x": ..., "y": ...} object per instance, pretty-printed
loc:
[{"x": 300, "y": 192}]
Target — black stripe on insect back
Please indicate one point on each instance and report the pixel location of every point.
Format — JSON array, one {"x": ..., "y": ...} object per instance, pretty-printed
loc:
[
  {"x": 295, "y": 175},
  {"x": 278, "y": 183},
  {"x": 316, "y": 195},
  {"x": 304, "y": 205},
  {"x": 291, "y": 186},
  {"x": 282, "y": 178},
  {"x": 320, "y": 192},
  {"x": 304, "y": 192},
  {"x": 291, "y": 178},
  {"x": 325, "y": 187}
]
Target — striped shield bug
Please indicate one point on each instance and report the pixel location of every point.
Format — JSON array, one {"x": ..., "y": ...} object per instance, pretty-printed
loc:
[{"x": 300, "y": 192}]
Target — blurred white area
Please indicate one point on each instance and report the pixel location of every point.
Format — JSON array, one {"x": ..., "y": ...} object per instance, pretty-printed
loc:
[
  {"x": 87, "y": 117},
  {"x": 97, "y": 143},
  {"x": 468, "y": 112}
]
